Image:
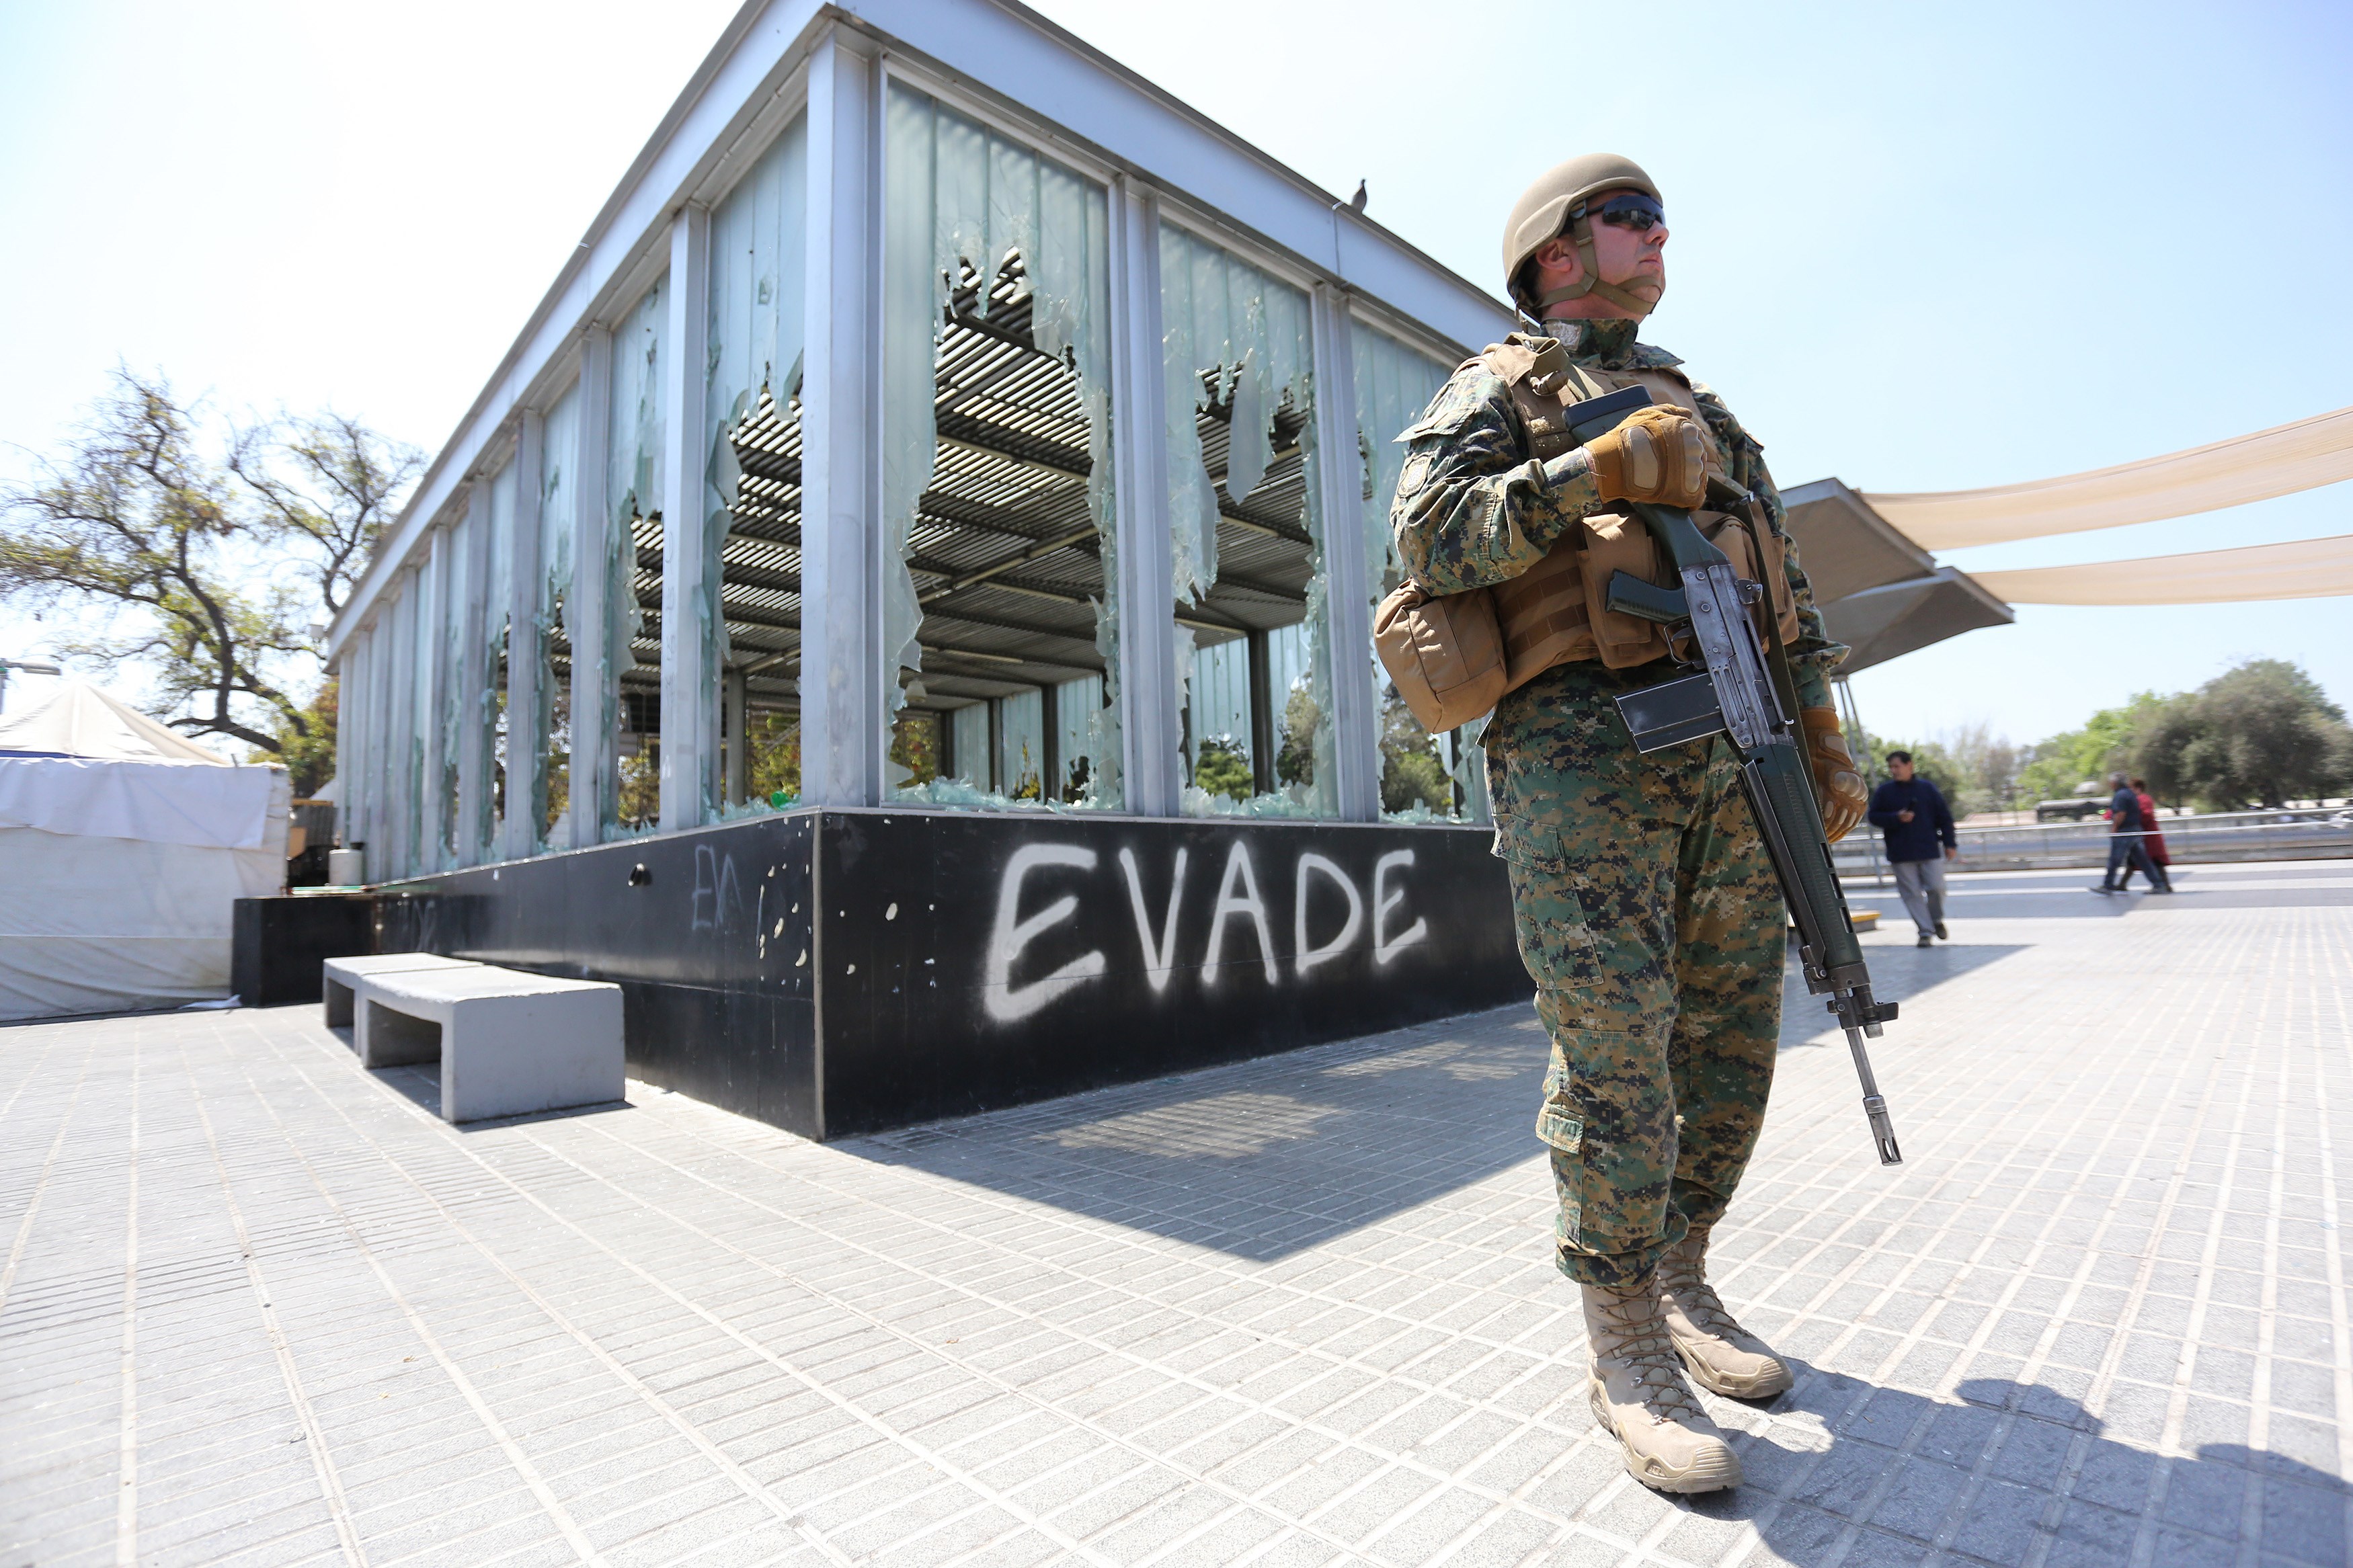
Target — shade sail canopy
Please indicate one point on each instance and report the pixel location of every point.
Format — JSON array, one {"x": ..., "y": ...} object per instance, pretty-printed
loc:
[
  {"x": 2274, "y": 462},
  {"x": 80, "y": 720},
  {"x": 1879, "y": 592},
  {"x": 2301, "y": 569},
  {"x": 1846, "y": 547},
  {"x": 1884, "y": 623}
]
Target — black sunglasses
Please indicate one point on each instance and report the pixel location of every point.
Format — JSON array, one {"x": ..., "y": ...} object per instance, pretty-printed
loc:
[{"x": 1630, "y": 209}]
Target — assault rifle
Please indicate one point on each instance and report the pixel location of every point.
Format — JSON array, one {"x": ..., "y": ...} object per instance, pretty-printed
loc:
[{"x": 1742, "y": 693}]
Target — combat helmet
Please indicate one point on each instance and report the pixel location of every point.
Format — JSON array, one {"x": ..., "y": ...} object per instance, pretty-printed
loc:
[{"x": 1545, "y": 209}]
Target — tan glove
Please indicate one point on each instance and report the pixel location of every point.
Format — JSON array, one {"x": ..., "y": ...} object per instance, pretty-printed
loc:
[
  {"x": 1837, "y": 786},
  {"x": 1657, "y": 454}
]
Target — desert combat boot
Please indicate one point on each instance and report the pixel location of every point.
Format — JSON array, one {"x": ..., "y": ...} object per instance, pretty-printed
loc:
[
  {"x": 1638, "y": 1391},
  {"x": 1723, "y": 1357}
]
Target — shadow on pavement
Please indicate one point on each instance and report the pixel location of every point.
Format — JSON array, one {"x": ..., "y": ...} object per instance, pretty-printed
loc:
[
  {"x": 1898, "y": 974},
  {"x": 420, "y": 1084},
  {"x": 1265, "y": 1158},
  {"x": 1985, "y": 1479},
  {"x": 1262, "y": 1159}
]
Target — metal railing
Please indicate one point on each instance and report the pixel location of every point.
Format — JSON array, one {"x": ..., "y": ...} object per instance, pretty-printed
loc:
[{"x": 2297, "y": 834}]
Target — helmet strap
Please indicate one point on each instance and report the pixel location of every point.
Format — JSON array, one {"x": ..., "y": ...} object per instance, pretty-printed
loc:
[{"x": 1580, "y": 231}]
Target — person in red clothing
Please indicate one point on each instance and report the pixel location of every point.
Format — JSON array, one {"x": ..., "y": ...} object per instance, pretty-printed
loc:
[
  {"x": 2152, "y": 842},
  {"x": 2126, "y": 828}
]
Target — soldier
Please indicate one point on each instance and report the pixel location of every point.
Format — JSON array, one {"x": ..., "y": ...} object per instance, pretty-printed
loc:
[{"x": 1645, "y": 906}]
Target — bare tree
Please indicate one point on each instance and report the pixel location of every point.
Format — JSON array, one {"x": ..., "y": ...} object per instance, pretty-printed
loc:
[{"x": 329, "y": 479}]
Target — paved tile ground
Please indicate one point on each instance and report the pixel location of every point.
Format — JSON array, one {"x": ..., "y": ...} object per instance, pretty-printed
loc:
[{"x": 258, "y": 1306}]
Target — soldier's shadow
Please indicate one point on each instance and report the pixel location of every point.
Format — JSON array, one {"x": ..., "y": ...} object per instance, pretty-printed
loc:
[
  {"x": 1843, "y": 1471},
  {"x": 1898, "y": 974}
]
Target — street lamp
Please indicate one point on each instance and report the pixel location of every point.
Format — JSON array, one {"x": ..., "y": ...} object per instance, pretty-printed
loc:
[{"x": 29, "y": 666}]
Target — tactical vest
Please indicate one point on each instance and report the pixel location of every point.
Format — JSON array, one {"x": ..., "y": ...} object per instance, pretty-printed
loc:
[{"x": 1558, "y": 612}]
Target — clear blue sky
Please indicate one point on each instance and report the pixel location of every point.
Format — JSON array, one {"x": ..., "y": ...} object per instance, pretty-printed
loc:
[{"x": 1915, "y": 249}]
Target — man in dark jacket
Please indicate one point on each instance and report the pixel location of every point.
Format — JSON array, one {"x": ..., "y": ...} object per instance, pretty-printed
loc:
[
  {"x": 2127, "y": 829},
  {"x": 1918, "y": 825}
]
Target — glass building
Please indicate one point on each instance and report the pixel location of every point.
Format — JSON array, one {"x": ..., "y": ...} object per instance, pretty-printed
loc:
[{"x": 938, "y": 416}]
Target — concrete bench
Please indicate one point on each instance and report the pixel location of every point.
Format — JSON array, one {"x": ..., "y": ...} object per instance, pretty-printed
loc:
[
  {"x": 340, "y": 976},
  {"x": 509, "y": 1043}
]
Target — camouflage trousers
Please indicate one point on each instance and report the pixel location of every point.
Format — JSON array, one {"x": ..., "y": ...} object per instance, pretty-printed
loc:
[{"x": 1648, "y": 917}]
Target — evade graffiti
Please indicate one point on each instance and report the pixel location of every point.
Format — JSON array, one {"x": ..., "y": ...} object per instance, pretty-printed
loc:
[{"x": 1045, "y": 887}]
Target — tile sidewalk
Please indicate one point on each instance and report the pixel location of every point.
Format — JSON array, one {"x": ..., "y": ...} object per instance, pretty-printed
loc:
[{"x": 259, "y": 1307}]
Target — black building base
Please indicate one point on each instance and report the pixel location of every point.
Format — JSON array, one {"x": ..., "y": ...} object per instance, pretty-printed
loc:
[
  {"x": 836, "y": 972},
  {"x": 276, "y": 945}
]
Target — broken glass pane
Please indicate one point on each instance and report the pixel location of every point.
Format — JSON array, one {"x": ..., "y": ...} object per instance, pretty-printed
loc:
[
  {"x": 752, "y": 580},
  {"x": 550, "y": 725},
  {"x": 997, "y": 470},
  {"x": 460, "y": 643},
  {"x": 359, "y": 751},
  {"x": 1423, "y": 777},
  {"x": 1254, "y": 661},
  {"x": 631, "y": 698},
  {"x": 486, "y": 700},
  {"x": 376, "y": 831},
  {"x": 408, "y": 744}
]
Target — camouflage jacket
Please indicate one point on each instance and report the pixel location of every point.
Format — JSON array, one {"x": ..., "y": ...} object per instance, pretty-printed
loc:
[{"x": 1474, "y": 508}]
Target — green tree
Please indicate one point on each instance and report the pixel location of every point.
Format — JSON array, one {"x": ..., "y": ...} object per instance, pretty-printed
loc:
[
  {"x": 309, "y": 753},
  {"x": 1986, "y": 768},
  {"x": 1412, "y": 770},
  {"x": 183, "y": 560},
  {"x": 2159, "y": 752},
  {"x": 2263, "y": 733},
  {"x": 1220, "y": 768},
  {"x": 2106, "y": 744},
  {"x": 1295, "y": 760},
  {"x": 915, "y": 745},
  {"x": 326, "y": 482},
  {"x": 773, "y": 760}
]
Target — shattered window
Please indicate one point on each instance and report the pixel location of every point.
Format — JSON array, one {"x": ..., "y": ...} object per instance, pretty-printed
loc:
[
  {"x": 1253, "y": 662},
  {"x": 752, "y": 581},
  {"x": 631, "y": 697},
  {"x": 407, "y": 738},
  {"x": 1423, "y": 777},
  {"x": 486, "y": 706},
  {"x": 433, "y": 718},
  {"x": 548, "y": 780},
  {"x": 359, "y": 768},
  {"x": 436, "y": 716},
  {"x": 459, "y": 643},
  {"x": 1000, "y": 622},
  {"x": 384, "y": 753}
]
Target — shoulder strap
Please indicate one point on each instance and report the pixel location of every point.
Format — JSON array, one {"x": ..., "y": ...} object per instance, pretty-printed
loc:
[
  {"x": 1777, "y": 651},
  {"x": 1543, "y": 379}
]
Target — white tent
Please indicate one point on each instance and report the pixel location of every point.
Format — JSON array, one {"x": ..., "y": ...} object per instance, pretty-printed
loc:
[{"x": 124, "y": 848}]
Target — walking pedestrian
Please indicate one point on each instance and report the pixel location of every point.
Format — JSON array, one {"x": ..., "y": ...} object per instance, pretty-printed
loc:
[
  {"x": 1911, "y": 813},
  {"x": 2151, "y": 840},
  {"x": 2126, "y": 828}
]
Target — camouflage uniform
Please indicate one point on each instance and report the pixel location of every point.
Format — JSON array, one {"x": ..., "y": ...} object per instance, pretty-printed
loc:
[{"x": 1646, "y": 909}]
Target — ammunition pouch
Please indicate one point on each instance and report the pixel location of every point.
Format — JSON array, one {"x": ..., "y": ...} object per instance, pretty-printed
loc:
[{"x": 1444, "y": 654}]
